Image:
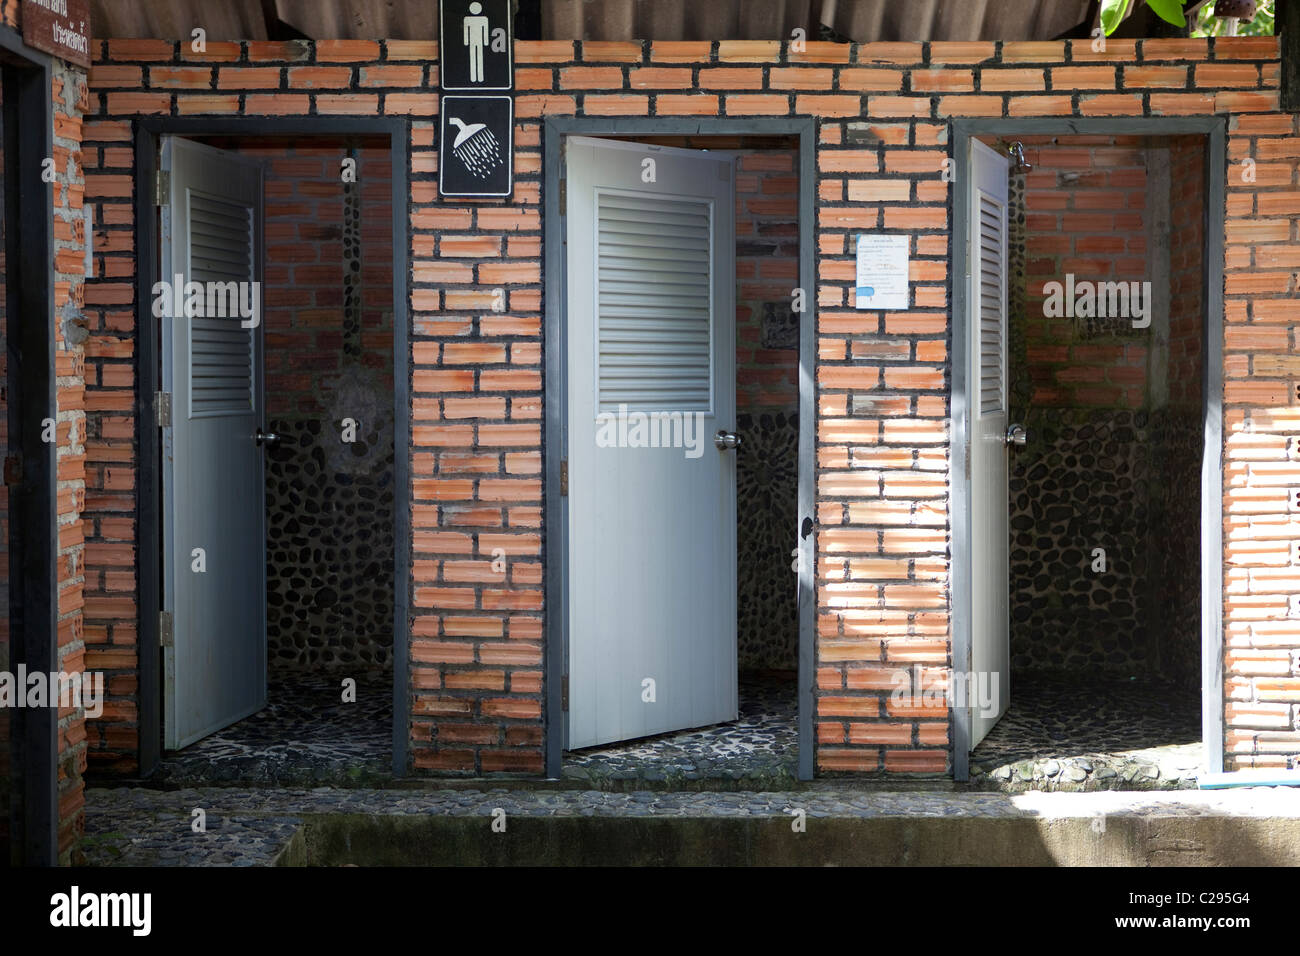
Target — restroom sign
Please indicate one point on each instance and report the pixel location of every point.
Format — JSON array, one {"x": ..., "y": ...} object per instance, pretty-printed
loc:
[
  {"x": 475, "y": 45},
  {"x": 477, "y": 146}
]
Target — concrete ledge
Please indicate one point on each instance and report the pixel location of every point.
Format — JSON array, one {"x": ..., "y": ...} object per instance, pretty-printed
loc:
[{"x": 1128, "y": 840}]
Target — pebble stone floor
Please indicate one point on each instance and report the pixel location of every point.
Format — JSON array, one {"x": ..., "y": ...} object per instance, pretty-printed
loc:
[
  {"x": 1060, "y": 733},
  {"x": 757, "y": 751},
  {"x": 1076, "y": 732},
  {"x": 141, "y": 827},
  {"x": 305, "y": 736}
]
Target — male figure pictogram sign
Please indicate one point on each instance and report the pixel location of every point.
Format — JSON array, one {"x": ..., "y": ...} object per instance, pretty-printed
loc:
[{"x": 475, "y": 45}]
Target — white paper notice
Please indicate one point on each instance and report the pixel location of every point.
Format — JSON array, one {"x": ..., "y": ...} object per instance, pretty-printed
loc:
[{"x": 882, "y": 272}]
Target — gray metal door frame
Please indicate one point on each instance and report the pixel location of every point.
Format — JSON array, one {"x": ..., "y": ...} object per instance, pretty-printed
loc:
[
  {"x": 28, "y": 119},
  {"x": 148, "y": 132},
  {"x": 555, "y": 520},
  {"x": 1214, "y": 129}
]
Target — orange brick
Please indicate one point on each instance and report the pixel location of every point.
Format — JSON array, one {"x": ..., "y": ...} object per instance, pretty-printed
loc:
[
  {"x": 892, "y": 106},
  {"x": 342, "y": 51},
  {"x": 659, "y": 78},
  {"x": 543, "y": 51},
  {"x": 748, "y": 51},
  {"x": 970, "y": 106},
  {"x": 943, "y": 81},
  {"x": 591, "y": 78},
  {"x": 961, "y": 51},
  {"x": 725, "y": 78},
  {"x": 995, "y": 80},
  {"x": 756, "y": 104},
  {"x": 686, "y": 104},
  {"x": 1082, "y": 77},
  {"x": 830, "y": 105},
  {"x": 677, "y": 51},
  {"x": 319, "y": 77},
  {"x": 869, "y": 80},
  {"x": 139, "y": 103},
  {"x": 141, "y": 49},
  {"x": 1033, "y": 51},
  {"x": 1155, "y": 76},
  {"x": 279, "y": 104},
  {"x": 1116, "y": 104},
  {"x": 596, "y": 51},
  {"x": 803, "y": 78}
]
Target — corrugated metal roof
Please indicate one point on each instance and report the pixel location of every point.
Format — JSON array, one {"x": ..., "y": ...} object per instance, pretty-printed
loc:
[{"x": 860, "y": 20}]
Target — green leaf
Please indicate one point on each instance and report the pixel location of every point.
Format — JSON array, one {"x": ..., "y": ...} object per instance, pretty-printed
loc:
[
  {"x": 1112, "y": 14},
  {"x": 1171, "y": 11}
]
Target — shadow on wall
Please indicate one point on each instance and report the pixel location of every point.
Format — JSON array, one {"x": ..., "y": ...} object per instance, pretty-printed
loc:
[{"x": 1113, "y": 407}]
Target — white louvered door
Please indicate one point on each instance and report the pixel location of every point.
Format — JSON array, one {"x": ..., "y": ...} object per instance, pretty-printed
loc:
[
  {"x": 213, "y": 491},
  {"x": 651, "y": 344},
  {"x": 987, "y": 377}
]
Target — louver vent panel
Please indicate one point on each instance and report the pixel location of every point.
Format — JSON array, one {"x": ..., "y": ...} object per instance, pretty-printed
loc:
[
  {"x": 221, "y": 350},
  {"x": 990, "y": 284},
  {"x": 653, "y": 303}
]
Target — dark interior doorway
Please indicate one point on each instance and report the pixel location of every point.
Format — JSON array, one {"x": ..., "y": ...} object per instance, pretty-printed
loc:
[{"x": 1105, "y": 532}]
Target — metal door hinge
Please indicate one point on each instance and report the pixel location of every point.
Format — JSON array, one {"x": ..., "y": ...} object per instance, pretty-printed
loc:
[
  {"x": 564, "y": 197},
  {"x": 162, "y": 409},
  {"x": 162, "y": 187},
  {"x": 166, "y": 630},
  {"x": 564, "y": 478},
  {"x": 564, "y": 693}
]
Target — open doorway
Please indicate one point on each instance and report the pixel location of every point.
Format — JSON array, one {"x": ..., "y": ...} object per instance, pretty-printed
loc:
[
  {"x": 323, "y": 429},
  {"x": 756, "y": 741},
  {"x": 1107, "y": 312}
]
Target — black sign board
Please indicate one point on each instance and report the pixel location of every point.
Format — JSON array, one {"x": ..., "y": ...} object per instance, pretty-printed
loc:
[
  {"x": 476, "y": 155},
  {"x": 475, "y": 45}
]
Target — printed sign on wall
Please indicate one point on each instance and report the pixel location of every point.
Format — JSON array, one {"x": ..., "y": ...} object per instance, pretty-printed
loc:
[
  {"x": 882, "y": 273},
  {"x": 58, "y": 27},
  {"x": 477, "y": 155},
  {"x": 475, "y": 45}
]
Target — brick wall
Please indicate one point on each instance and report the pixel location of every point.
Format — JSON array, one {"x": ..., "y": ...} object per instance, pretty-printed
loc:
[
  {"x": 1186, "y": 270},
  {"x": 68, "y": 89},
  {"x": 1086, "y": 214},
  {"x": 883, "y": 407}
]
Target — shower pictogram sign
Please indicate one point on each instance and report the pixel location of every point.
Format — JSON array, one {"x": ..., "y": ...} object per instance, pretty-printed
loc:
[
  {"x": 475, "y": 46},
  {"x": 477, "y": 155},
  {"x": 476, "y": 57}
]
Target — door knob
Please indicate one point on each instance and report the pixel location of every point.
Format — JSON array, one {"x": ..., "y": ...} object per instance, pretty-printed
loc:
[
  {"x": 726, "y": 440},
  {"x": 267, "y": 438},
  {"x": 1017, "y": 434}
]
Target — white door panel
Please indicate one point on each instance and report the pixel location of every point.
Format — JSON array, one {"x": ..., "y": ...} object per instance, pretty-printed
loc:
[
  {"x": 987, "y": 378},
  {"x": 213, "y": 488},
  {"x": 651, "y": 329}
]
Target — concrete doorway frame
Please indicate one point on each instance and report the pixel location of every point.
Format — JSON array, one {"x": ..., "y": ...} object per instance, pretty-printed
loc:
[
  {"x": 1214, "y": 129},
  {"x": 555, "y": 514}
]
